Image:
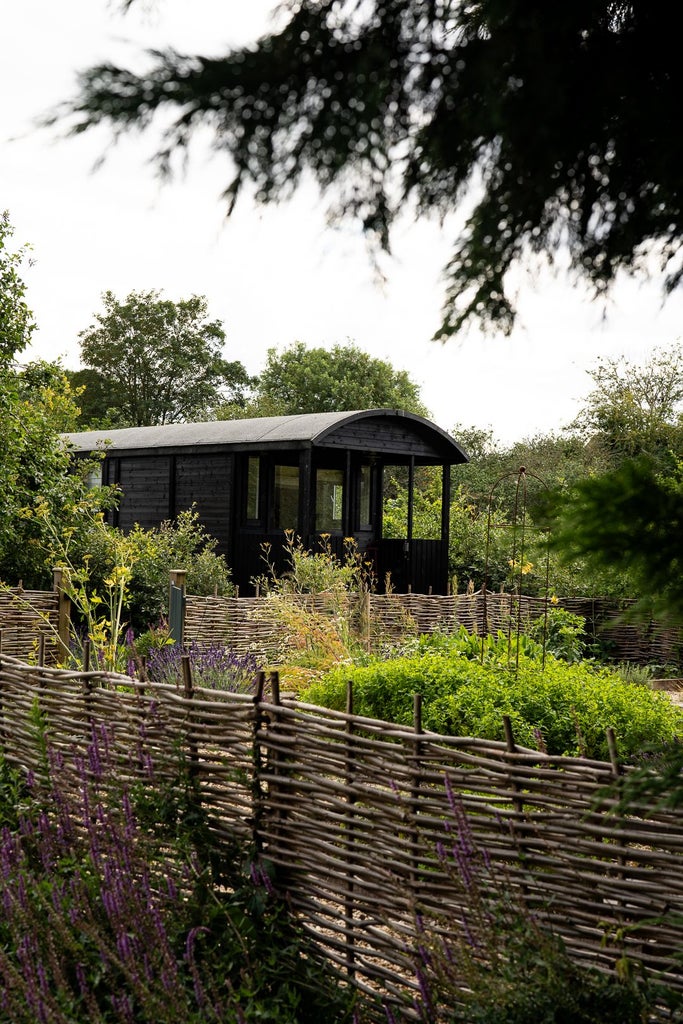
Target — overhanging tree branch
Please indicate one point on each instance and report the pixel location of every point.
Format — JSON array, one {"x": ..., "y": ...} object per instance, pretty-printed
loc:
[{"x": 566, "y": 112}]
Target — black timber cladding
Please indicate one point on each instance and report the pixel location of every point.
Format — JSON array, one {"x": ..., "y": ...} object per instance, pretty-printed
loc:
[
  {"x": 383, "y": 437},
  {"x": 164, "y": 470}
]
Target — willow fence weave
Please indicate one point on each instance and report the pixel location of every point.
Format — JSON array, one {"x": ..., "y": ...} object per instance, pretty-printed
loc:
[
  {"x": 34, "y": 624},
  {"x": 353, "y": 812},
  {"x": 254, "y": 624},
  {"x": 30, "y": 620}
]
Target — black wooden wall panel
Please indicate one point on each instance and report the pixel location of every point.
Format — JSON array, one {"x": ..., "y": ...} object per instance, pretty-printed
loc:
[
  {"x": 207, "y": 482},
  {"x": 145, "y": 486},
  {"x": 382, "y": 435}
]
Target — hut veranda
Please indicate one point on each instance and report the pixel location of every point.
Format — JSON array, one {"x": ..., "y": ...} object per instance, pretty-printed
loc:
[{"x": 252, "y": 479}]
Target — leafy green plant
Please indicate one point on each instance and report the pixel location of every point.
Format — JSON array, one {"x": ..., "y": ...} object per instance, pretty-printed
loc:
[
  {"x": 563, "y": 633},
  {"x": 183, "y": 544},
  {"x": 151, "y": 555},
  {"x": 564, "y": 708},
  {"x": 316, "y": 637},
  {"x": 317, "y": 571},
  {"x": 98, "y": 604}
]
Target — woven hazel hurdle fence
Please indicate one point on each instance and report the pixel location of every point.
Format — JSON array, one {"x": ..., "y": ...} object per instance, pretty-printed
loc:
[
  {"x": 254, "y": 623},
  {"x": 34, "y": 624},
  {"x": 352, "y": 812},
  {"x": 39, "y": 621}
]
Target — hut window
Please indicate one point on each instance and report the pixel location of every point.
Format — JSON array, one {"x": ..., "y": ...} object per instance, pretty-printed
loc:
[
  {"x": 329, "y": 500},
  {"x": 286, "y": 511},
  {"x": 94, "y": 476},
  {"x": 253, "y": 487},
  {"x": 364, "y": 502}
]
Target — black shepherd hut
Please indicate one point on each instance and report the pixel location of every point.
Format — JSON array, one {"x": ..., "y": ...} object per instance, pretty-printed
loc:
[{"x": 317, "y": 473}]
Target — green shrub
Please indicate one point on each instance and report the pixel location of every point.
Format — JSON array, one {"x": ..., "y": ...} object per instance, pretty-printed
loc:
[
  {"x": 384, "y": 690},
  {"x": 151, "y": 555},
  {"x": 563, "y": 631},
  {"x": 564, "y": 708}
]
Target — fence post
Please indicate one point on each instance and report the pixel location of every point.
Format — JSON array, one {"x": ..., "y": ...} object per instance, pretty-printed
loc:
[
  {"x": 349, "y": 900},
  {"x": 176, "y": 605},
  {"x": 63, "y": 614},
  {"x": 617, "y": 774},
  {"x": 415, "y": 788},
  {"x": 276, "y": 757},
  {"x": 188, "y": 693},
  {"x": 510, "y": 744},
  {"x": 257, "y": 791}
]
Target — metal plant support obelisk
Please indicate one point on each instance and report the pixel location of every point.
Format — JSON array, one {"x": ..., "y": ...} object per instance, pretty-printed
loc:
[{"x": 519, "y": 527}]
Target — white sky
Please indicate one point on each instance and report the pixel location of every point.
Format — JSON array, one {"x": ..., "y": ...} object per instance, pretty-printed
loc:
[{"x": 272, "y": 275}]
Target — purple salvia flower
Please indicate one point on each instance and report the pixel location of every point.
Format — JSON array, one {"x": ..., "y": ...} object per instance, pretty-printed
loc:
[
  {"x": 425, "y": 994},
  {"x": 189, "y": 957},
  {"x": 540, "y": 741},
  {"x": 449, "y": 793},
  {"x": 94, "y": 760},
  {"x": 81, "y": 979},
  {"x": 468, "y": 933},
  {"x": 267, "y": 883},
  {"x": 191, "y": 940},
  {"x": 124, "y": 946},
  {"x": 43, "y": 980},
  {"x": 424, "y": 955}
]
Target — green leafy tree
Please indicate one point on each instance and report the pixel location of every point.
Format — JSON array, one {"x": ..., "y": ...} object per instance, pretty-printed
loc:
[
  {"x": 634, "y": 409},
  {"x": 154, "y": 361},
  {"x": 301, "y": 379},
  {"x": 555, "y": 120},
  {"x": 625, "y": 523},
  {"x": 39, "y": 485},
  {"x": 16, "y": 319},
  {"x": 630, "y": 520},
  {"x": 51, "y": 385},
  {"x": 96, "y": 395}
]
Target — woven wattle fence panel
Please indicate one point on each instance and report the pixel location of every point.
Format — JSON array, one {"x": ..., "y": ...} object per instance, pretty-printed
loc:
[
  {"x": 367, "y": 822},
  {"x": 258, "y": 624},
  {"x": 25, "y": 617}
]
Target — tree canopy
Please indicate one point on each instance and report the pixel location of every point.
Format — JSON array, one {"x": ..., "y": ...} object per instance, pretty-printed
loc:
[
  {"x": 16, "y": 319},
  {"x": 301, "y": 379},
  {"x": 630, "y": 520},
  {"x": 636, "y": 410},
  {"x": 556, "y": 121},
  {"x": 153, "y": 361}
]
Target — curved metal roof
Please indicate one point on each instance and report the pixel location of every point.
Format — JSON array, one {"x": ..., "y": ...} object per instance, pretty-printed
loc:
[{"x": 313, "y": 428}]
